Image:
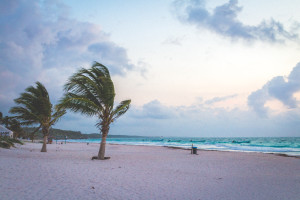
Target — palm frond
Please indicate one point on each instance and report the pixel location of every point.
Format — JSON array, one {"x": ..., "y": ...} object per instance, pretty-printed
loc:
[
  {"x": 120, "y": 109},
  {"x": 89, "y": 91},
  {"x": 34, "y": 106},
  {"x": 108, "y": 92},
  {"x": 57, "y": 115},
  {"x": 100, "y": 69},
  {"x": 24, "y": 114},
  {"x": 84, "y": 85},
  {"x": 104, "y": 79},
  {"x": 78, "y": 103}
]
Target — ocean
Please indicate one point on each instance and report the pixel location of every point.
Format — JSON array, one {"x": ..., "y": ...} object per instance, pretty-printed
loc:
[{"x": 281, "y": 145}]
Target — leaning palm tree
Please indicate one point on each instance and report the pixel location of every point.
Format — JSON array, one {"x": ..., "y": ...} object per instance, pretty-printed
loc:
[
  {"x": 91, "y": 92},
  {"x": 35, "y": 108}
]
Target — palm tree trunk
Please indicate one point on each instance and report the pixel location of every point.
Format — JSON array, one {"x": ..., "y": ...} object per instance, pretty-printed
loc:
[
  {"x": 45, "y": 131},
  {"x": 44, "y": 148},
  {"x": 32, "y": 137},
  {"x": 101, "y": 154}
]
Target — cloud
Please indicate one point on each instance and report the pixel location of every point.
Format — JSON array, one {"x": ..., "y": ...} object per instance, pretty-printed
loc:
[
  {"x": 152, "y": 110},
  {"x": 224, "y": 20},
  {"x": 219, "y": 99},
  {"x": 196, "y": 120},
  {"x": 108, "y": 51},
  {"x": 174, "y": 41},
  {"x": 279, "y": 88},
  {"x": 40, "y": 42},
  {"x": 203, "y": 121}
]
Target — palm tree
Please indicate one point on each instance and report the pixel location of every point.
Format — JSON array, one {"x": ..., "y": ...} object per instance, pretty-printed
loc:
[
  {"x": 5, "y": 121},
  {"x": 15, "y": 126},
  {"x": 35, "y": 108},
  {"x": 91, "y": 92}
]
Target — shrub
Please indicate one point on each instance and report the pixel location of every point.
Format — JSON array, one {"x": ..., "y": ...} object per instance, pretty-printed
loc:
[{"x": 6, "y": 142}]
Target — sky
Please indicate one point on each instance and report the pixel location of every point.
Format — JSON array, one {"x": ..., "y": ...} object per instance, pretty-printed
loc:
[{"x": 218, "y": 68}]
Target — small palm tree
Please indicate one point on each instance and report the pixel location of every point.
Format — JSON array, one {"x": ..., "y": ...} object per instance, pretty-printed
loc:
[
  {"x": 12, "y": 124},
  {"x": 35, "y": 108},
  {"x": 15, "y": 126},
  {"x": 91, "y": 92}
]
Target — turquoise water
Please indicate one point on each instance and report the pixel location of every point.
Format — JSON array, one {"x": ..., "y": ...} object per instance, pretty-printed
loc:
[{"x": 283, "y": 145}]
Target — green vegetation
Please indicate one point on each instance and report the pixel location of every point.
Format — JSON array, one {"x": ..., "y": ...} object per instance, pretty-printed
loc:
[
  {"x": 34, "y": 107},
  {"x": 61, "y": 134},
  {"x": 12, "y": 124},
  {"x": 58, "y": 133},
  {"x": 6, "y": 142},
  {"x": 91, "y": 92}
]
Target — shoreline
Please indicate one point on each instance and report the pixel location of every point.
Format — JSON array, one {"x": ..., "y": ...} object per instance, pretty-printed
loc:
[
  {"x": 200, "y": 149},
  {"x": 174, "y": 147},
  {"x": 277, "y": 154},
  {"x": 66, "y": 171}
]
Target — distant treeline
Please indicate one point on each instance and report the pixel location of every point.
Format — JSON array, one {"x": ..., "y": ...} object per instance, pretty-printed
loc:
[{"x": 61, "y": 134}]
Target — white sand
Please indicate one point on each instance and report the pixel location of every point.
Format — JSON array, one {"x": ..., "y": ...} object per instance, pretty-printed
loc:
[{"x": 141, "y": 172}]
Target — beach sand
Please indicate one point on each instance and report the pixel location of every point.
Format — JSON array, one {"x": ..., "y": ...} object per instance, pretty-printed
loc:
[{"x": 66, "y": 171}]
